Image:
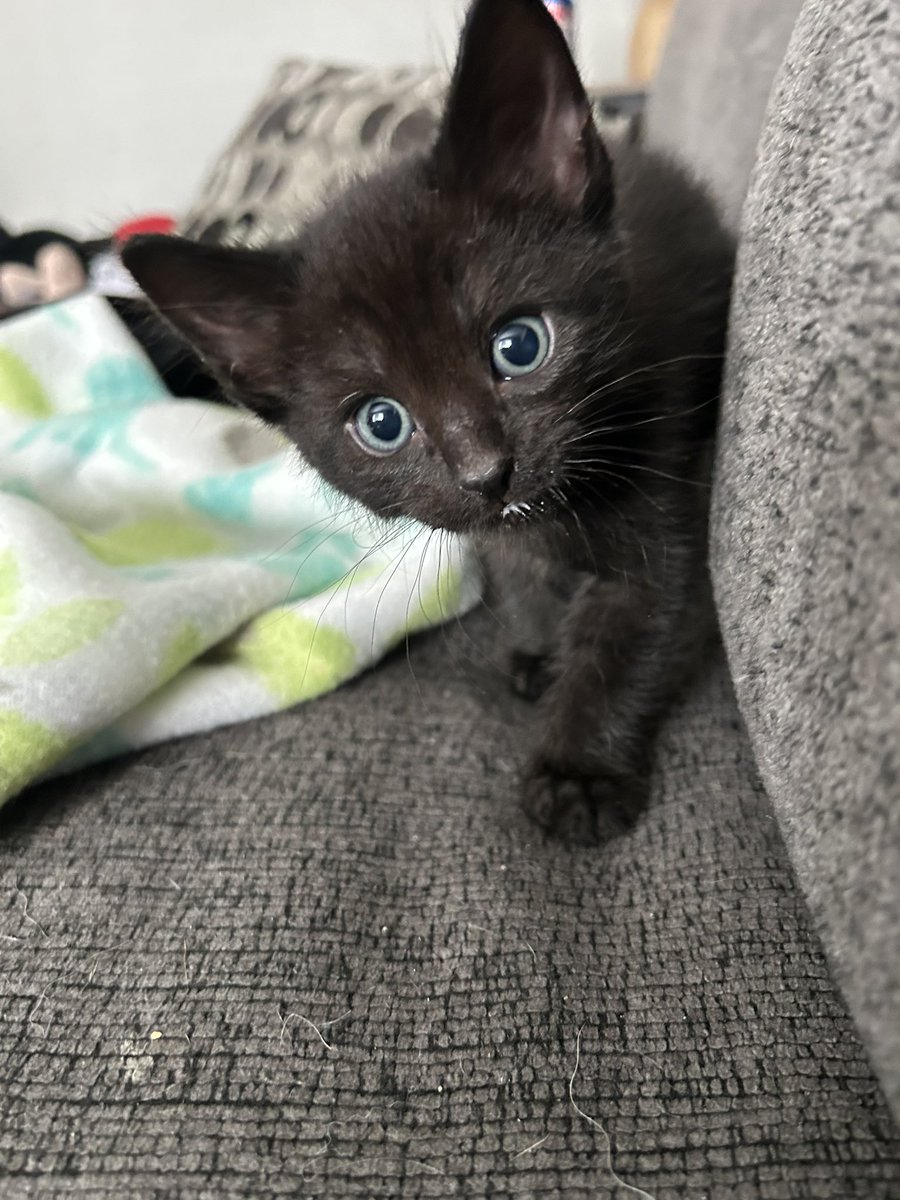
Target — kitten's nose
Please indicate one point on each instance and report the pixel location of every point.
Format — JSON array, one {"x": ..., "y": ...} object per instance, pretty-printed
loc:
[{"x": 489, "y": 475}]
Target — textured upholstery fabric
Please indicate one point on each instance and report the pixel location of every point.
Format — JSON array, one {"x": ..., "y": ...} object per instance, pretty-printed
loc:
[
  {"x": 807, "y": 516},
  {"x": 709, "y": 99},
  {"x": 312, "y": 125},
  {"x": 227, "y": 890}
]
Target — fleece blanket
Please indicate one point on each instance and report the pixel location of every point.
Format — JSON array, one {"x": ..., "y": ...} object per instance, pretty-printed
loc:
[{"x": 169, "y": 565}]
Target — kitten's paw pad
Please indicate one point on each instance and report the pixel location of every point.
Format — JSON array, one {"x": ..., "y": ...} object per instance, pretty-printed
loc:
[
  {"x": 529, "y": 674},
  {"x": 586, "y": 809},
  {"x": 561, "y": 806}
]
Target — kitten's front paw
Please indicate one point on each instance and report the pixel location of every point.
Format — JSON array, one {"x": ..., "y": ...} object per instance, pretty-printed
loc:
[
  {"x": 529, "y": 674},
  {"x": 584, "y": 807}
]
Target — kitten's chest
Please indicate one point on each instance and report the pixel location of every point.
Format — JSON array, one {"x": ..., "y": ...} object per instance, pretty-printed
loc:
[{"x": 530, "y": 586}]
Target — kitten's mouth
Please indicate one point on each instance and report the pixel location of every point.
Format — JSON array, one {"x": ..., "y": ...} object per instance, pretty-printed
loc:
[
  {"x": 520, "y": 509},
  {"x": 523, "y": 510}
]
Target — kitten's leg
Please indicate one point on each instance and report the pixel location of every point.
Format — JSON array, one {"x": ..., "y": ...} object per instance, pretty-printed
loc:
[
  {"x": 625, "y": 651},
  {"x": 529, "y": 604}
]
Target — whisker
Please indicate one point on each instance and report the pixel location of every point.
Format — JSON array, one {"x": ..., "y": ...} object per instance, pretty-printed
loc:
[
  {"x": 669, "y": 362},
  {"x": 584, "y": 538},
  {"x": 479, "y": 650},
  {"x": 398, "y": 563},
  {"x": 276, "y": 552},
  {"x": 164, "y": 308},
  {"x": 379, "y": 545},
  {"x": 606, "y": 501},
  {"x": 637, "y": 467},
  {"x": 418, "y": 590},
  {"x": 334, "y": 589},
  {"x": 323, "y": 536},
  {"x": 625, "y": 425},
  {"x": 445, "y": 625},
  {"x": 622, "y": 478}
]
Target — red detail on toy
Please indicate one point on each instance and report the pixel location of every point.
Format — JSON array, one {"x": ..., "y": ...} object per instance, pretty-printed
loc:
[{"x": 151, "y": 223}]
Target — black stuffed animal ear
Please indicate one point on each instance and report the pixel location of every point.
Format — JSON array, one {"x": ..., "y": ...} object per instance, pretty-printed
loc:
[
  {"x": 517, "y": 121},
  {"x": 228, "y": 303}
]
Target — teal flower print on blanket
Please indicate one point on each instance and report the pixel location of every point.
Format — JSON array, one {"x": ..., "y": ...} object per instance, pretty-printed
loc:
[
  {"x": 229, "y": 497},
  {"x": 87, "y": 433}
]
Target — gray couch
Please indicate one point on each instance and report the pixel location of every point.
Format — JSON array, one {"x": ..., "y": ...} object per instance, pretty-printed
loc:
[{"x": 324, "y": 954}]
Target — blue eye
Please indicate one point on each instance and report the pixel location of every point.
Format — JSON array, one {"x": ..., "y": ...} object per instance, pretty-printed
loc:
[
  {"x": 382, "y": 425},
  {"x": 520, "y": 347}
]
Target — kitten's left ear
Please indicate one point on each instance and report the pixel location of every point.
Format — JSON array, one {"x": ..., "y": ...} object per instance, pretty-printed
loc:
[
  {"x": 227, "y": 303},
  {"x": 517, "y": 121}
]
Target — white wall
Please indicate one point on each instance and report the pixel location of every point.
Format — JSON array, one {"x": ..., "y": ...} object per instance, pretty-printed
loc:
[{"x": 114, "y": 107}]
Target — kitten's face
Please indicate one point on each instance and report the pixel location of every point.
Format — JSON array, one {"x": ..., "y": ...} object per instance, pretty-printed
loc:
[
  {"x": 429, "y": 341},
  {"x": 436, "y": 350}
]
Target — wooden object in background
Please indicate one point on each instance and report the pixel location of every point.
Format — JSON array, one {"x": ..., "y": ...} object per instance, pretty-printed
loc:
[{"x": 650, "y": 30}]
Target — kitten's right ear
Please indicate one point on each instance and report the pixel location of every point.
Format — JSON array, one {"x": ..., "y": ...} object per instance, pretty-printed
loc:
[{"x": 228, "y": 303}]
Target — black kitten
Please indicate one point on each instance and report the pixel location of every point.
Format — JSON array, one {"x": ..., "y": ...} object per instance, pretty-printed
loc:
[{"x": 513, "y": 337}]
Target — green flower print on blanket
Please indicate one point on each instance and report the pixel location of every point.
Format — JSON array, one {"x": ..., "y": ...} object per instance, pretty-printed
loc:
[
  {"x": 294, "y": 656},
  {"x": 20, "y": 389},
  {"x": 9, "y": 583},
  {"x": 153, "y": 540},
  {"x": 58, "y": 631},
  {"x": 186, "y": 645},
  {"x": 26, "y": 748}
]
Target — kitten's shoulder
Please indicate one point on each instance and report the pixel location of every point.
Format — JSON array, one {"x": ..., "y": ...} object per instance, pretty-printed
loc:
[
  {"x": 670, "y": 220},
  {"x": 657, "y": 191}
]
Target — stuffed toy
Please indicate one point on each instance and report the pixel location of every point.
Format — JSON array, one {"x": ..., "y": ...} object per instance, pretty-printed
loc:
[
  {"x": 38, "y": 267},
  {"x": 42, "y": 266}
]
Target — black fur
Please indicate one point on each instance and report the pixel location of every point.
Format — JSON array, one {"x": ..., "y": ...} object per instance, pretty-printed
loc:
[{"x": 396, "y": 290}]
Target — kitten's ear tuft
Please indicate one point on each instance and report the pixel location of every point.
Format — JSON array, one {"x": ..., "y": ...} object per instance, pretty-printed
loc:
[
  {"x": 228, "y": 303},
  {"x": 517, "y": 122}
]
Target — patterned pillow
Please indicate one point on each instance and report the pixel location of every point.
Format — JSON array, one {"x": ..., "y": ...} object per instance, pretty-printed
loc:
[{"x": 315, "y": 125}]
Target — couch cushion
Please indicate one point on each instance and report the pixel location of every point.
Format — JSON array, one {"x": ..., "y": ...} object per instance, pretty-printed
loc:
[
  {"x": 709, "y": 99},
  {"x": 314, "y": 123},
  {"x": 324, "y": 955},
  {"x": 806, "y": 540}
]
